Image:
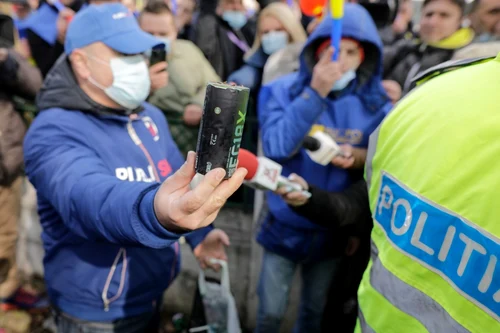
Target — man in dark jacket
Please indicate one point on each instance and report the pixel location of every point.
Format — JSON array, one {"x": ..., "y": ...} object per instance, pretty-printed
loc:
[
  {"x": 347, "y": 212},
  {"x": 441, "y": 35},
  {"x": 225, "y": 36},
  {"x": 17, "y": 78},
  {"x": 113, "y": 193}
]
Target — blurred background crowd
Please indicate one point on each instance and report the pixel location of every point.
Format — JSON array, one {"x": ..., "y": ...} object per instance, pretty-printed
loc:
[{"x": 258, "y": 44}]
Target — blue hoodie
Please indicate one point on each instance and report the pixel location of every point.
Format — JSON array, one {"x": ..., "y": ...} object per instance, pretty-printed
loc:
[
  {"x": 289, "y": 107},
  {"x": 43, "y": 21},
  {"x": 96, "y": 171}
]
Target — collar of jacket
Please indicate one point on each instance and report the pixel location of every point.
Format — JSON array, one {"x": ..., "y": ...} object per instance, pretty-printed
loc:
[{"x": 459, "y": 39}]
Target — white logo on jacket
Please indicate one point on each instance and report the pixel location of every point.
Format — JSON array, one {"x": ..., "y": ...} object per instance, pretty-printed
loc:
[{"x": 135, "y": 174}]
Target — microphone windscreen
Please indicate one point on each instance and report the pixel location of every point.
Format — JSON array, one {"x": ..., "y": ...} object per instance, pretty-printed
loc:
[
  {"x": 248, "y": 161},
  {"x": 311, "y": 144}
]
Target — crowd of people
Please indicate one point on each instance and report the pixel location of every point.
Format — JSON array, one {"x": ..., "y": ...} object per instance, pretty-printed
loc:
[{"x": 110, "y": 149}]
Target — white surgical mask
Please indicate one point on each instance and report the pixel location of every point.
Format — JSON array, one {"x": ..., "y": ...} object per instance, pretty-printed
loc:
[
  {"x": 274, "y": 41},
  {"x": 344, "y": 80},
  {"x": 131, "y": 83}
]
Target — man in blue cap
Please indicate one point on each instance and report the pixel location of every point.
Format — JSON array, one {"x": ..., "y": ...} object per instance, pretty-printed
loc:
[{"x": 103, "y": 163}]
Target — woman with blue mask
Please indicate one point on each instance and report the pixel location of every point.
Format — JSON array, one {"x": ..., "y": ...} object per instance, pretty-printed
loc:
[{"x": 277, "y": 26}]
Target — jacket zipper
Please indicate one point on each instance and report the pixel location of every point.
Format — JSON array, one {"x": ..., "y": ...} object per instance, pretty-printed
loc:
[{"x": 107, "y": 301}]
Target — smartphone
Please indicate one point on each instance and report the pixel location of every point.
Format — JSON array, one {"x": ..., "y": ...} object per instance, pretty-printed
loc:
[{"x": 157, "y": 55}]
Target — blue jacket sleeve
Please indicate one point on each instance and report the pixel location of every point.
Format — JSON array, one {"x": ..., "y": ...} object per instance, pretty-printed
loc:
[
  {"x": 196, "y": 237},
  {"x": 284, "y": 125},
  {"x": 247, "y": 76},
  {"x": 91, "y": 201}
]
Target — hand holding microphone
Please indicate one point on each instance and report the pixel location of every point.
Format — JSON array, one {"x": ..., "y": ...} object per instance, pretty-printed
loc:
[
  {"x": 295, "y": 198},
  {"x": 346, "y": 159}
]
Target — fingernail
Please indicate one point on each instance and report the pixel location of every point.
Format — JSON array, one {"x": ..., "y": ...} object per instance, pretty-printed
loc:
[{"x": 220, "y": 174}]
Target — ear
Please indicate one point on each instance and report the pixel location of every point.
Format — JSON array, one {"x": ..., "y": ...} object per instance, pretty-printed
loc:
[{"x": 79, "y": 63}]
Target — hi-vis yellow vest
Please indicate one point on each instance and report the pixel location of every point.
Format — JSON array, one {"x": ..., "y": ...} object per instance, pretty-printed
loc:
[{"x": 433, "y": 173}]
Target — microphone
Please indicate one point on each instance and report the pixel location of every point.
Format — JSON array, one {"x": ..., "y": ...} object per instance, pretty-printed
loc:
[
  {"x": 321, "y": 148},
  {"x": 265, "y": 174}
]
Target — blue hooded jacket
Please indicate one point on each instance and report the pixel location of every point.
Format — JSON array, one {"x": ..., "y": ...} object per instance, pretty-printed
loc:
[
  {"x": 96, "y": 172},
  {"x": 289, "y": 107},
  {"x": 43, "y": 21}
]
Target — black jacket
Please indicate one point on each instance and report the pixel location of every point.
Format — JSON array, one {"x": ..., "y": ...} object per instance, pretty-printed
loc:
[
  {"x": 6, "y": 31},
  {"x": 406, "y": 59},
  {"x": 335, "y": 210},
  {"x": 211, "y": 36}
]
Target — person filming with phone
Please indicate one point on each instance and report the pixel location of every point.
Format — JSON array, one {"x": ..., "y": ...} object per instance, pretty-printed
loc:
[
  {"x": 114, "y": 193},
  {"x": 181, "y": 100}
]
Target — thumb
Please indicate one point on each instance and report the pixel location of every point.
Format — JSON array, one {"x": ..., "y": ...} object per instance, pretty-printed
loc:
[
  {"x": 223, "y": 237},
  {"x": 183, "y": 176}
]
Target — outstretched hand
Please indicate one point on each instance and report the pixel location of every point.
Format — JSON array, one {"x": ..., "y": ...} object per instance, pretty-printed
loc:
[{"x": 180, "y": 208}]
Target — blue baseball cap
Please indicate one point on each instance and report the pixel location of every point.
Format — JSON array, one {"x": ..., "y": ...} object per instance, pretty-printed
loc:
[{"x": 112, "y": 24}]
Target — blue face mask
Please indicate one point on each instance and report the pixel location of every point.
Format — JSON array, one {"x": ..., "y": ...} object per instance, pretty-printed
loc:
[
  {"x": 344, "y": 80},
  {"x": 235, "y": 19},
  {"x": 274, "y": 41}
]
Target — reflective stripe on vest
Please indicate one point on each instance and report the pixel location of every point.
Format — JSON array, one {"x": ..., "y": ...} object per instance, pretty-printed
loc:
[
  {"x": 410, "y": 300},
  {"x": 432, "y": 173},
  {"x": 365, "y": 328}
]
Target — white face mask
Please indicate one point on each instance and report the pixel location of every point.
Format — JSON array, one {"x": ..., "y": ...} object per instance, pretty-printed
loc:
[
  {"x": 344, "y": 80},
  {"x": 131, "y": 83}
]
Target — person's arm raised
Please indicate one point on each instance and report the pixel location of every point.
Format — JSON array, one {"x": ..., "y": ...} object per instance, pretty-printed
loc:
[{"x": 96, "y": 205}]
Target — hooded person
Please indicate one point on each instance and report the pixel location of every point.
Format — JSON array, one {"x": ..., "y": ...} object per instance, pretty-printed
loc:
[
  {"x": 99, "y": 158},
  {"x": 345, "y": 99},
  {"x": 43, "y": 30},
  {"x": 46, "y": 27}
]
